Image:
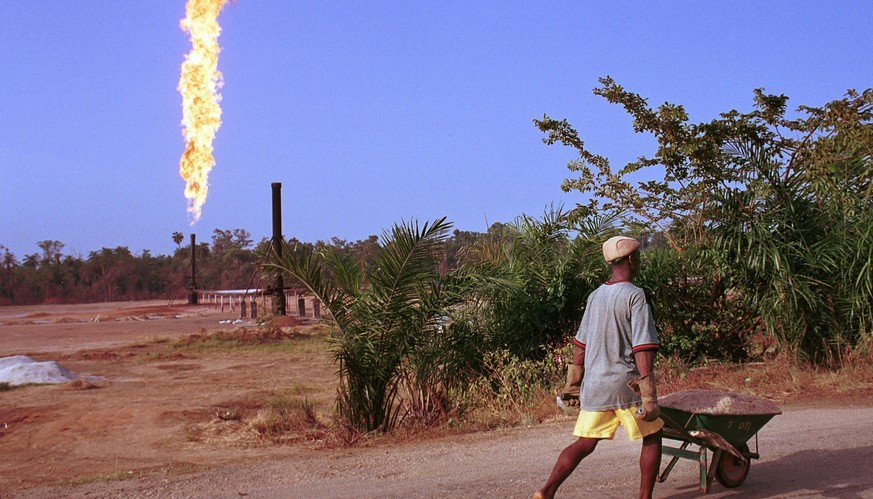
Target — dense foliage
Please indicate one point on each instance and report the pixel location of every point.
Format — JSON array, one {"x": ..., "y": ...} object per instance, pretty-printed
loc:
[
  {"x": 110, "y": 274},
  {"x": 417, "y": 341},
  {"x": 554, "y": 264},
  {"x": 766, "y": 215}
]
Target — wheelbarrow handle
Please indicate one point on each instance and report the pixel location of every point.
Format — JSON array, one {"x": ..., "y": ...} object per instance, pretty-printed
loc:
[{"x": 673, "y": 425}]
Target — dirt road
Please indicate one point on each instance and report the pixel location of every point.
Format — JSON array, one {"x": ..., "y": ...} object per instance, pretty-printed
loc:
[
  {"x": 135, "y": 435},
  {"x": 806, "y": 452}
]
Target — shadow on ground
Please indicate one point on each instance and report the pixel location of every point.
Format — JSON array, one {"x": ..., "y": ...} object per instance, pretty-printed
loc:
[{"x": 810, "y": 473}]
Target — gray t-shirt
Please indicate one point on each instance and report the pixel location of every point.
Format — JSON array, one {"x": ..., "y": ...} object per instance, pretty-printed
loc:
[{"x": 617, "y": 322}]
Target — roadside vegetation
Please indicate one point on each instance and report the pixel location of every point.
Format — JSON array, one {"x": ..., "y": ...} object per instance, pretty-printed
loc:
[{"x": 507, "y": 392}]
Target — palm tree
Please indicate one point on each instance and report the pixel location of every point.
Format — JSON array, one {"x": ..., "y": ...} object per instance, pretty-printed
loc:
[{"x": 391, "y": 317}]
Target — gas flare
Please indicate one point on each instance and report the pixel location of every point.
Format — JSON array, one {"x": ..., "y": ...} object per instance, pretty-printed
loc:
[{"x": 199, "y": 85}]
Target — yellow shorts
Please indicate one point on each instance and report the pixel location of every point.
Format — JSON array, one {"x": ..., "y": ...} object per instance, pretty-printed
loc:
[{"x": 602, "y": 424}]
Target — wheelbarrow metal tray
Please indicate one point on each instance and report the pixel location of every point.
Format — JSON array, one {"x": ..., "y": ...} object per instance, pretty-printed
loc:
[{"x": 737, "y": 429}]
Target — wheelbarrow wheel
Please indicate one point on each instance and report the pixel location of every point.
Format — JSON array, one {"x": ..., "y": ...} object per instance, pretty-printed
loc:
[{"x": 731, "y": 471}]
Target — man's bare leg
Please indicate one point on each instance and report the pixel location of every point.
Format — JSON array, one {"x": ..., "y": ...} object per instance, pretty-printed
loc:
[
  {"x": 569, "y": 458},
  {"x": 650, "y": 463}
]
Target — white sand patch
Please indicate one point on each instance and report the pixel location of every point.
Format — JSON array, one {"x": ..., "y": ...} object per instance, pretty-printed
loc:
[{"x": 21, "y": 369}]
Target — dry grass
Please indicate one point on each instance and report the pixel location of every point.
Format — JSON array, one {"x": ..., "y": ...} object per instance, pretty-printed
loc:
[
  {"x": 285, "y": 418},
  {"x": 292, "y": 413},
  {"x": 780, "y": 379},
  {"x": 81, "y": 384},
  {"x": 268, "y": 338},
  {"x": 121, "y": 475},
  {"x": 265, "y": 419}
]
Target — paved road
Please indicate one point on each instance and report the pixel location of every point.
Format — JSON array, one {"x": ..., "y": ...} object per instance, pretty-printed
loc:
[{"x": 806, "y": 452}]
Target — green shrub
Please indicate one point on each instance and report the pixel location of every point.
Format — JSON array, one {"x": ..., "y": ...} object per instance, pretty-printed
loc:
[
  {"x": 696, "y": 317},
  {"x": 510, "y": 386}
]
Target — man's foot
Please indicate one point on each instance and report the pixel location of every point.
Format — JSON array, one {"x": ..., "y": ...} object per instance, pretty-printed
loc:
[{"x": 538, "y": 495}]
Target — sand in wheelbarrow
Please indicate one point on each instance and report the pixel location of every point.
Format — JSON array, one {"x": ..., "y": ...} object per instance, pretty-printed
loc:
[
  {"x": 21, "y": 370},
  {"x": 718, "y": 402}
]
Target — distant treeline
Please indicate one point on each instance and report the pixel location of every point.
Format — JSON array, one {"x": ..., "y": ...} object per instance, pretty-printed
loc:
[{"x": 231, "y": 261}]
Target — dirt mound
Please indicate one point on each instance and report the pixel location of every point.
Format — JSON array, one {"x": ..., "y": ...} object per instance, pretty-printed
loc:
[
  {"x": 156, "y": 310},
  {"x": 39, "y": 315},
  {"x": 285, "y": 321},
  {"x": 718, "y": 402}
]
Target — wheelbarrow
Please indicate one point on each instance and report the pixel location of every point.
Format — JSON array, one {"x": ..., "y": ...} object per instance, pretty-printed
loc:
[{"x": 720, "y": 432}]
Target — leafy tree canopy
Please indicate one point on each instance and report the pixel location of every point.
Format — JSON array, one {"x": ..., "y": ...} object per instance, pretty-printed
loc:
[{"x": 734, "y": 151}]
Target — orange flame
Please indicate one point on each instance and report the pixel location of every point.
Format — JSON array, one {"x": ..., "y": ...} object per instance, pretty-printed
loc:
[{"x": 199, "y": 84}]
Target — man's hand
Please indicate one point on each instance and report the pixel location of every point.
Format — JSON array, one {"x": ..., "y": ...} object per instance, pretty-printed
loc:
[
  {"x": 646, "y": 388},
  {"x": 569, "y": 402},
  {"x": 570, "y": 393}
]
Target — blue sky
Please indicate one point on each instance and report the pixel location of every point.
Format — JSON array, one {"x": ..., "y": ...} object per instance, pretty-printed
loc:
[{"x": 372, "y": 112}]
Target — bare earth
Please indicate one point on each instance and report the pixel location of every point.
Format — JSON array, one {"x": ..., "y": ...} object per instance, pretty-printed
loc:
[{"x": 148, "y": 428}]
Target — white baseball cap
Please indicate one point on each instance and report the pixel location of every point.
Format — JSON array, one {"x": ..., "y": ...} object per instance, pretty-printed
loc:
[{"x": 619, "y": 247}]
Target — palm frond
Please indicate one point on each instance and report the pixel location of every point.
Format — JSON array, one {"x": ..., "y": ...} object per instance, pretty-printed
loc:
[{"x": 316, "y": 274}]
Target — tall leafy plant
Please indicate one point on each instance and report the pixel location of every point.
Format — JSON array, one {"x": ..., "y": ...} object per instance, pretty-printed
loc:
[
  {"x": 393, "y": 317},
  {"x": 555, "y": 262},
  {"x": 796, "y": 250}
]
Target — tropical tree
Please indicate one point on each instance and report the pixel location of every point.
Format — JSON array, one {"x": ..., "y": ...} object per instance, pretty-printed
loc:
[
  {"x": 51, "y": 252},
  {"x": 396, "y": 341},
  {"x": 7, "y": 278},
  {"x": 109, "y": 273}
]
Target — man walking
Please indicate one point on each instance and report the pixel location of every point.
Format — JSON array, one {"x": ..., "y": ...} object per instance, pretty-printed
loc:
[{"x": 615, "y": 349}]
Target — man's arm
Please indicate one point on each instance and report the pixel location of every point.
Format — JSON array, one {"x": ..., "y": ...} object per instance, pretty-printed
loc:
[
  {"x": 579, "y": 355},
  {"x": 648, "y": 391},
  {"x": 575, "y": 371},
  {"x": 645, "y": 360}
]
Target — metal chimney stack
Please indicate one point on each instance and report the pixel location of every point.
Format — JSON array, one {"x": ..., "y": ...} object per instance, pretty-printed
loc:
[
  {"x": 278, "y": 240},
  {"x": 192, "y": 284}
]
